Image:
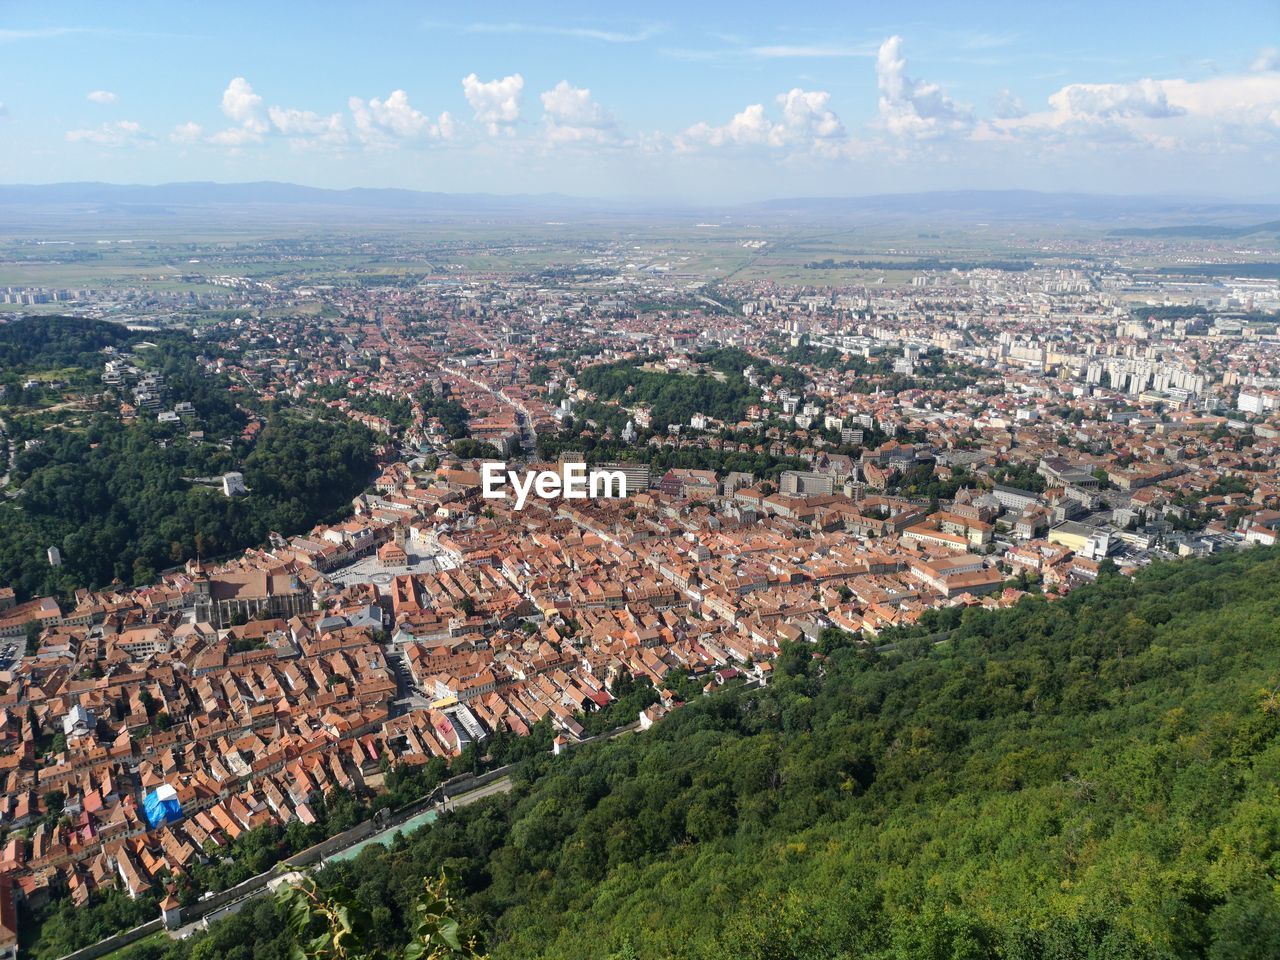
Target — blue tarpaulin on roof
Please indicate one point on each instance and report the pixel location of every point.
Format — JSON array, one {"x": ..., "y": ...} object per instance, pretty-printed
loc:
[{"x": 162, "y": 805}]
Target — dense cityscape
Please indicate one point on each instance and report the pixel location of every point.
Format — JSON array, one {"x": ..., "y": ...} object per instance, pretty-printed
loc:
[
  {"x": 802, "y": 463},
  {"x": 684, "y": 482}
]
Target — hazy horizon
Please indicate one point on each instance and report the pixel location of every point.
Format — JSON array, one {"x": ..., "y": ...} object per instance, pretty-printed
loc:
[{"x": 1170, "y": 195}]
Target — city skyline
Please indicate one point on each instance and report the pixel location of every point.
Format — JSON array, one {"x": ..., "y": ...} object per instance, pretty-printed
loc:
[{"x": 684, "y": 104}]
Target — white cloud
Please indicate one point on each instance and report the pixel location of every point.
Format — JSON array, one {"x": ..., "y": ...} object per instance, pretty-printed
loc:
[
  {"x": 1144, "y": 98},
  {"x": 978, "y": 40},
  {"x": 308, "y": 129},
  {"x": 1222, "y": 111},
  {"x": 102, "y": 96},
  {"x": 381, "y": 122},
  {"x": 581, "y": 33},
  {"x": 300, "y": 123},
  {"x": 367, "y": 131},
  {"x": 1009, "y": 105},
  {"x": 913, "y": 108},
  {"x": 115, "y": 134},
  {"x": 1268, "y": 59},
  {"x": 236, "y": 137},
  {"x": 188, "y": 132},
  {"x": 807, "y": 123},
  {"x": 4, "y": 109},
  {"x": 398, "y": 116},
  {"x": 571, "y": 116},
  {"x": 1233, "y": 99},
  {"x": 244, "y": 108},
  {"x": 805, "y": 115},
  {"x": 739, "y": 49},
  {"x": 240, "y": 103},
  {"x": 746, "y": 128},
  {"x": 814, "y": 51},
  {"x": 41, "y": 33},
  {"x": 496, "y": 102},
  {"x": 253, "y": 121}
]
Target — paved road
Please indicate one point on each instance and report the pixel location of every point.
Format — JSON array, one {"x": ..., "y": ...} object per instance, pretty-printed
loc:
[
  {"x": 405, "y": 694},
  {"x": 6, "y": 449},
  {"x": 941, "y": 637},
  {"x": 501, "y": 785},
  {"x": 715, "y": 303}
]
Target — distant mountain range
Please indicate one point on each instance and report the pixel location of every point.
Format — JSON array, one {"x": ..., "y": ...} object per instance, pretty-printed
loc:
[
  {"x": 1201, "y": 231},
  {"x": 203, "y": 193},
  {"x": 1027, "y": 205},
  {"x": 1158, "y": 215}
]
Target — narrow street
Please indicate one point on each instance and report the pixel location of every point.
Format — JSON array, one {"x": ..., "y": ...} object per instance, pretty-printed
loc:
[{"x": 528, "y": 436}]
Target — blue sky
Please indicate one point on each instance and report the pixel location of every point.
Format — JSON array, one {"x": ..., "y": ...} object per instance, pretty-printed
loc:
[{"x": 720, "y": 100}]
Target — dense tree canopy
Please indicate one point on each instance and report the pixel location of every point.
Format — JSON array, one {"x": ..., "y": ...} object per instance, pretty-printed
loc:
[
  {"x": 662, "y": 459},
  {"x": 41, "y": 342},
  {"x": 1093, "y": 777},
  {"x": 734, "y": 360},
  {"x": 121, "y": 500},
  {"x": 118, "y": 504},
  {"x": 451, "y": 414},
  {"x": 933, "y": 371},
  {"x": 671, "y": 397}
]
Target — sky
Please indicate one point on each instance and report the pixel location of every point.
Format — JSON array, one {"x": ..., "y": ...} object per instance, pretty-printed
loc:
[{"x": 690, "y": 101}]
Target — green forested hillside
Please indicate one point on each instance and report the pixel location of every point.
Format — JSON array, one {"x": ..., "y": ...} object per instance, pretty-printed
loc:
[
  {"x": 42, "y": 342},
  {"x": 672, "y": 397},
  {"x": 117, "y": 499},
  {"x": 1097, "y": 777}
]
